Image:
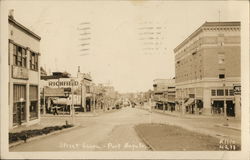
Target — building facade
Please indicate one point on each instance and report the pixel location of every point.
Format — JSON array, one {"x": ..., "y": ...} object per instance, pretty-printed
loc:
[
  {"x": 164, "y": 94},
  {"x": 207, "y": 67},
  {"x": 24, "y": 75},
  {"x": 58, "y": 89}
]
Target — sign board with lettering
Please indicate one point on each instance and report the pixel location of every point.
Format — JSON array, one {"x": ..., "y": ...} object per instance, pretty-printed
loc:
[
  {"x": 20, "y": 73},
  {"x": 237, "y": 90},
  {"x": 63, "y": 83}
]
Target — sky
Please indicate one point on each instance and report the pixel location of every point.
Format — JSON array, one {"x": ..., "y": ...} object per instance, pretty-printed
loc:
[{"x": 114, "y": 53}]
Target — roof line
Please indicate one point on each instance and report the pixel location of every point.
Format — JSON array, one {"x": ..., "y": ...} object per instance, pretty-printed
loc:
[
  {"x": 206, "y": 24},
  {"x": 11, "y": 19}
]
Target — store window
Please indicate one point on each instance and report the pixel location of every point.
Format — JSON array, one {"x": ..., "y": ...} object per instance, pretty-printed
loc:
[
  {"x": 19, "y": 103},
  {"x": 33, "y": 102},
  {"x": 19, "y": 56},
  {"x": 33, "y": 61}
]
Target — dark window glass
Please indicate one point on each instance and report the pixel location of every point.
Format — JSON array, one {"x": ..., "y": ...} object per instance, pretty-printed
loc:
[
  {"x": 220, "y": 92},
  {"x": 34, "y": 61},
  {"x": 231, "y": 92},
  {"x": 221, "y": 76},
  {"x": 213, "y": 92}
]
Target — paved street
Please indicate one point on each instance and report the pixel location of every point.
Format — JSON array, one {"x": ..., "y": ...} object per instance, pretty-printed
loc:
[{"x": 114, "y": 131}]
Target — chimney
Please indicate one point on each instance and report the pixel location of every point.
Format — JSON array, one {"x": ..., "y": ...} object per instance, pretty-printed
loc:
[{"x": 11, "y": 13}]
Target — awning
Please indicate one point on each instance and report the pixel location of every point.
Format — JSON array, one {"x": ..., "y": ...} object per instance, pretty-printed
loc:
[
  {"x": 189, "y": 101},
  {"x": 171, "y": 102}
]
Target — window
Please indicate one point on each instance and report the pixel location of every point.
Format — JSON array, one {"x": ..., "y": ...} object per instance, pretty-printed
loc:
[
  {"x": 33, "y": 61},
  {"x": 33, "y": 102},
  {"x": 231, "y": 92},
  {"x": 19, "y": 56},
  {"x": 221, "y": 76},
  {"x": 220, "y": 92},
  {"x": 87, "y": 89},
  {"x": 226, "y": 92},
  {"x": 213, "y": 92},
  {"x": 19, "y": 103}
]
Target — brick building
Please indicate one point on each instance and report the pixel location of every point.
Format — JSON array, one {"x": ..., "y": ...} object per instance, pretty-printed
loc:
[
  {"x": 207, "y": 67},
  {"x": 24, "y": 75},
  {"x": 164, "y": 94}
]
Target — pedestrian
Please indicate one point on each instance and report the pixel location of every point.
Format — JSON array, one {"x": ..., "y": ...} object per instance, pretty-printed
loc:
[{"x": 55, "y": 111}]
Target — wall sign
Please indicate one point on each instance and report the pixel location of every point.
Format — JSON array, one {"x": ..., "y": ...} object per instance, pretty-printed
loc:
[
  {"x": 237, "y": 90},
  {"x": 20, "y": 73},
  {"x": 63, "y": 83}
]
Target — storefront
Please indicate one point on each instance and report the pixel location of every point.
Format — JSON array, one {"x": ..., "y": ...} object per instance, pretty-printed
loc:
[{"x": 24, "y": 75}]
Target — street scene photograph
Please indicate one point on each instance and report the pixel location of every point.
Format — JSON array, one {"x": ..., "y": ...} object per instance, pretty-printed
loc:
[{"x": 111, "y": 76}]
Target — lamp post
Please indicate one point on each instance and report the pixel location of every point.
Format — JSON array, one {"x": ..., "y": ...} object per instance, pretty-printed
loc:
[{"x": 20, "y": 113}]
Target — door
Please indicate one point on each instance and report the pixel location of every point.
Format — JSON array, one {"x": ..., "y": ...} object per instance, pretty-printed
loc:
[{"x": 230, "y": 109}]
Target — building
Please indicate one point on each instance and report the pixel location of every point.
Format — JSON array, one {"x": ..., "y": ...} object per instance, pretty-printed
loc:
[
  {"x": 207, "y": 67},
  {"x": 107, "y": 97},
  {"x": 59, "y": 88},
  {"x": 164, "y": 94},
  {"x": 24, "y": 74}
]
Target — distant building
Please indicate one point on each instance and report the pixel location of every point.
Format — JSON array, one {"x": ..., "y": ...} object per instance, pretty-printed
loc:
[
  {"x": 24, "y": 75},
  {"x": 164, "y": 94},
  {"x": 207, "y": 67}
]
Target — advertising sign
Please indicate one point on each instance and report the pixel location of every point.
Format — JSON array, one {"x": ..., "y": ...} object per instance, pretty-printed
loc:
[
  {"x": 237, "y": 90},
  {"x": 63, "y": 83},
  {"x": 20, "y": 73}
]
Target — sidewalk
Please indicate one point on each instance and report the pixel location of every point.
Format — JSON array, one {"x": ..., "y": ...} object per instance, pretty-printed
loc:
[
  {"x": 45, "y": 121},
  {"x": 48, "y": 120},
  {"x": 219, "y": 121}
]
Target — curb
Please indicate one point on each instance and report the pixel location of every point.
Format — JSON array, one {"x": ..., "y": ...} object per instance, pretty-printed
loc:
[
  {"x": 39, "y": 137},
  {"x": 228, "y": 127},
  {"x": 144, "y": 139}
]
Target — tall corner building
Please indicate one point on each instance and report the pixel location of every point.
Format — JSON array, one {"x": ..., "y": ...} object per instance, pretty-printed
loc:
[
  {"x": 207, "y": 68},
  {"x": 24, "y": 75}
]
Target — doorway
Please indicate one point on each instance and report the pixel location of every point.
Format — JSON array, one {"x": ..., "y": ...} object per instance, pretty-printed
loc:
[{"x": 230, "y": 109}]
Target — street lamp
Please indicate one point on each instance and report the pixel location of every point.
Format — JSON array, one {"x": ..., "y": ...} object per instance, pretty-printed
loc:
[{"x": 20, "y": 113}]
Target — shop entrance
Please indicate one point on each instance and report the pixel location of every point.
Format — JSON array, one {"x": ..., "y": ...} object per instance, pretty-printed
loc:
[
  {"x": 230, "y": 109},
  {"x": 88, "y": 105},
  {"x": 218, "y": 108}
]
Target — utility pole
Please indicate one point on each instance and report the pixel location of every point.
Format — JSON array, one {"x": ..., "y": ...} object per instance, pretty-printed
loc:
[{"x": 72, "y": 105}]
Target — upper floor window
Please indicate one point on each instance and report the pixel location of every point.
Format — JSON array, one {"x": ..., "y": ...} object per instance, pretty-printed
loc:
[
  {"x": 213, "y": 92},
  {"x": 220, "y": 92},
  {"x": 19, "y": 56},
  {"x": 33, "y": 61},
  {"x": 221, "y": 76}
]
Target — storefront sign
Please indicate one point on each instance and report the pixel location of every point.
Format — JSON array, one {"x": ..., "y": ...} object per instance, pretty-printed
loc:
[
  {"x": 63, "y": 83},
  {"x": 20, "y": 73},
  {"x": 237, "y": 90}
]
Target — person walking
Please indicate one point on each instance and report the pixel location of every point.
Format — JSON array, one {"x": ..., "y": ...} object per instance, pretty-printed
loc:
[{"x": 55, "y": 110}]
